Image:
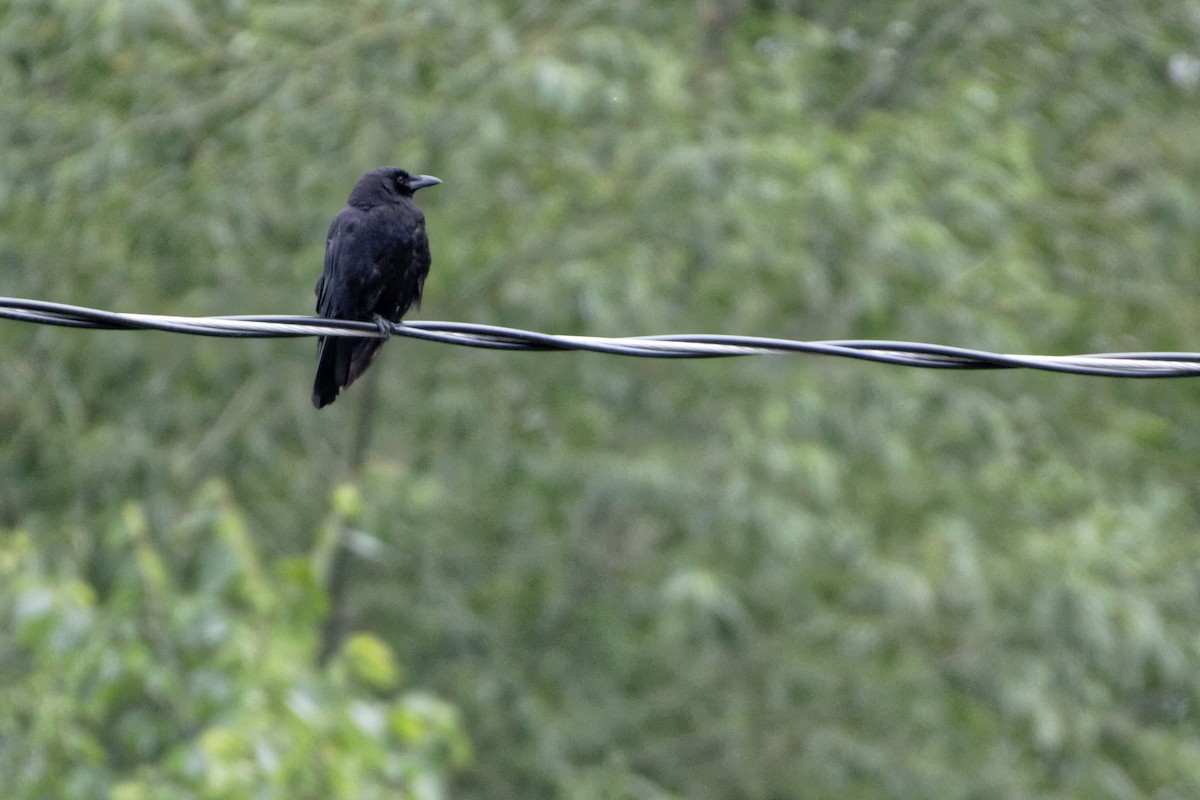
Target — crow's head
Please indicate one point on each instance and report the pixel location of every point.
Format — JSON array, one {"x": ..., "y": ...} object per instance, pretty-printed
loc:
[{"x": 386, "y": 185}]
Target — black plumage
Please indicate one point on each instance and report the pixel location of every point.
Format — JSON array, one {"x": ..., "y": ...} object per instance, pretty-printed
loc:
[{"x": 376, "y": 260}]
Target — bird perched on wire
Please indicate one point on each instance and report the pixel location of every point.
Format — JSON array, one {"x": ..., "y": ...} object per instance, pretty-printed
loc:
[{"x": 376, "y": 260}]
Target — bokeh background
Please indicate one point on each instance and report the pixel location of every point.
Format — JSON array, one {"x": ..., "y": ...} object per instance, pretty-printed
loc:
[{"x": 514, "y": 575}]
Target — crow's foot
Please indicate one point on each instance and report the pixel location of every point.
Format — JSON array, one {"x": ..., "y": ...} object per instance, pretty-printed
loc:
[{"x": 385, "y": 327}]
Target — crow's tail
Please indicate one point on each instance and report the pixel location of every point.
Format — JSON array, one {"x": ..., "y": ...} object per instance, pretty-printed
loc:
[{"x": 340, "y": 361}]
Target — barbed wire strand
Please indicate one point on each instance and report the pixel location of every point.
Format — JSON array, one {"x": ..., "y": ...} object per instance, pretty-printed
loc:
[{"x": 493, "y": 337}]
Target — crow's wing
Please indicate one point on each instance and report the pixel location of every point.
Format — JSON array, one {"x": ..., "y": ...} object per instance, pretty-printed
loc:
[
  {"x": 421, "y": 260},
  {"x": 331, "y": 286},
  {"x": 339, "y": 296}
]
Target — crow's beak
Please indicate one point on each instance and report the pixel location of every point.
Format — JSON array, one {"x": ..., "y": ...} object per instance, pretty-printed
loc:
[{"x": 421, "y": 181}]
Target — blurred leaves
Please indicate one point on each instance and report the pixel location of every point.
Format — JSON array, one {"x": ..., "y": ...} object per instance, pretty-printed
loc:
[{"x": 176, "y": 687}]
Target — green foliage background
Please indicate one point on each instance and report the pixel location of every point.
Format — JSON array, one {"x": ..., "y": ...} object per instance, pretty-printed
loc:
[{"x": 767, "y": 578}]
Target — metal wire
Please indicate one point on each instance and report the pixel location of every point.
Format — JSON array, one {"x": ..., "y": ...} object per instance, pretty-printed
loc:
[{"x": 466, "y": 334}]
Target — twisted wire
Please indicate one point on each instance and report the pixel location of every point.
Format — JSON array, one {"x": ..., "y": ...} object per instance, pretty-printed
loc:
[{"x": 493, "y": 337}]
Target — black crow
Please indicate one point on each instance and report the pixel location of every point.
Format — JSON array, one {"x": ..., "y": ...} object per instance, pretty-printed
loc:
[{"x": 376, "y": 260}]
